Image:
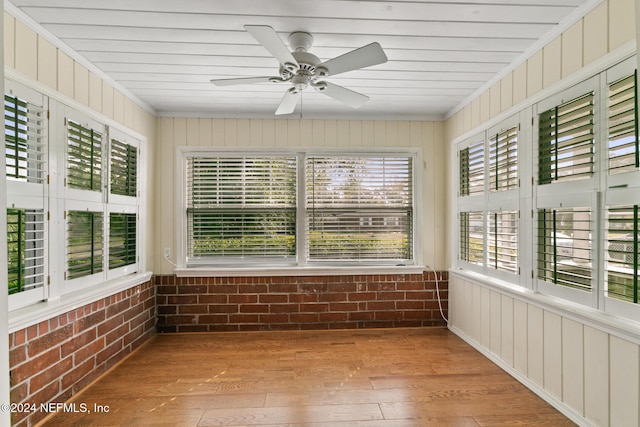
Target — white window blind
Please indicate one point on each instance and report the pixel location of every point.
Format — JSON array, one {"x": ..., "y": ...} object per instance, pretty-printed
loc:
[
  {"x": 241, "y": 207},
  {"x": 122, "y": 240},
  {"x": 623, "y": 253},
  {"x": 564, "y": 247},
  {"x": 359, "y": 208},
  {"x": 25, "y": 148},
  {"x": 124, "y": 168},
  {"x": 624, "y": 153},
  {"x": 84, "y": 157},
  {"x": 566, "y": 141},
  {"x": 472, "y": 169},
  {"x": 503, "y": 241},
  {"x": 85, "y": 241},
  {"x": 503, "y": 160},
  {"x": 25, "y": 249}
]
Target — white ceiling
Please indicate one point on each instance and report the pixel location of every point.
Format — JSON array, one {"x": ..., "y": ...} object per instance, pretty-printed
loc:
[{"x": 165, "y": 52}]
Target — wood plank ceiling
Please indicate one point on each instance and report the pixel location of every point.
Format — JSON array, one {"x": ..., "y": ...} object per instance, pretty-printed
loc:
[{"x": 165, "y": 52}]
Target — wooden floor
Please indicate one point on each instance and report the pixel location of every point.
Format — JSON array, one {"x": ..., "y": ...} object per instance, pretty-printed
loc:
[{"x": 368, "y": 378}]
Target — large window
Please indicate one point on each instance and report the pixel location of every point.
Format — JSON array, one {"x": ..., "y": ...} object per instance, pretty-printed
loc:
[
  {"x": 559, "y": 209},
  {"x": 298, "y": 208},
  {"x": 359, "y": 208},
  {"x": 72, "y": 199}
]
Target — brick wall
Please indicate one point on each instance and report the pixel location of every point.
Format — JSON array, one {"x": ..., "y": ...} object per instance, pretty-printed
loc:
[
  {"x": 298, "y": 302},
  {"x": 56, "y": 358}
]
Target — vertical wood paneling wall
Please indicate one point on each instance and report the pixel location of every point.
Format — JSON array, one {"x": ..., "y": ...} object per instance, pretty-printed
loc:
[
  {"x": 584, "y": 368},
  {"x": 174, "y": 132}
]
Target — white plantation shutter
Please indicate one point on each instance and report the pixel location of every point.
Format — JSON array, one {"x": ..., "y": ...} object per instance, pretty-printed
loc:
[
  {"x": 472, "y": 169},
  {"x": 503, "y": 160},
  {"x": 502, "y": 241},
  {"x": 25, "y": 138},
  {"x": 564, "y": 247},
  {"x": 566, "y": 141},
  {"x": 85, "y": 244},
  {"x": 25, "y": 249},
  {"x": 623, "y": 253},
  {"x": 240, "y": 207},
  {"x": 359, "y": 208},
  {"x": 624, "y": 153},
  {"x": 84, "y": 157}
]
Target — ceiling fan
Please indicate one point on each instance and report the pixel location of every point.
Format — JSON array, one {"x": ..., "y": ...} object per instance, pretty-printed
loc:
[{"x": 302, "y": 69}]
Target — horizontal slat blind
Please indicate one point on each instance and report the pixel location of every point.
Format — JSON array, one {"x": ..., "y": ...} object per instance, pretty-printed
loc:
[
  {"x": 241, "y": 206},
  {"x": 359, "y": 208},
  {"x": 623, "y": 253},
  {"x": 503, "y": 160},
  {"x": 25, "y": 136},
  {"x": 503, "y": 243},
  {"x": 472, "y": 169},
  {"x": 124, "y": 168},
  {"x": 624, "y": 153},
  {"x": 564, "y": 247},
  {"x": 566, "y": 141},
  {"x": 84, "y": 157},
  {"x": 471, "y": 237},
  {"x": 84, "y": 243},
  {"x": 25, "y": 249},
  {"x": 122, "y": 240}
]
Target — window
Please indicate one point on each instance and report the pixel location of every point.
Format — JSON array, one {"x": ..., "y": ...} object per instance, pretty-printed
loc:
[
  {"x": 624, "y": 153},
  {"x": 25, "y": 249},
  {"x": 124, "y": 169},
  {"x": 85, "y": 239},
  {"x": 564, "y": 247},
  {"x": 24, "y": 132},
  {"x": 566, "y": 141},
  {"x": 122, "y": 240},
  {"x": 472, "y": 237},
  {"x": 472, "y": 169},
  {"x": 241, "y": 207},
  {"x": 503, "y": 241},
  {"x": 623, "y": 253},
  {"x": 84, "y": 157},
  {"x": 298, "y": 208},
  {"x": 359, "y": 208},
  {"x": 503, "y": 160}
]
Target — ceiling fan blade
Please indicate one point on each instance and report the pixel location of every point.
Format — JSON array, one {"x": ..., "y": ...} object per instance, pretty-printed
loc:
[
  {"x": 268, "y": 38},
  {"x": 245, "y": 80},
  {"x": 342, "y": 94},
  {"x": 366, "y": 56},
  {"x": 289, "y": 102}
]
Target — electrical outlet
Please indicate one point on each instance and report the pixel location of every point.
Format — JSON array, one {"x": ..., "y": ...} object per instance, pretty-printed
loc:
[{"x": 167, "y": 253}]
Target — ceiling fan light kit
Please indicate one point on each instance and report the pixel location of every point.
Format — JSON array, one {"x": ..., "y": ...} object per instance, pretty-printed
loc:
[{"x": 302, "y": 69}]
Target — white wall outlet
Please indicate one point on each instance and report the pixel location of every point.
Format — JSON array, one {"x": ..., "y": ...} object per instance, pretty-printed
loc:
[{"x": 167, "y": 253}]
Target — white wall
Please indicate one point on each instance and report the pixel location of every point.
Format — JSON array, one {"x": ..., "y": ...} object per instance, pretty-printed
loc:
[
  {"x": 264, "y": 133},
  {"x": 588, "y": 369},
  {"x": 586, "y": 364}
]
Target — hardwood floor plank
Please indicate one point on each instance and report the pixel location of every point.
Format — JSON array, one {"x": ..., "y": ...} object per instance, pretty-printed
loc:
[{"x": 344, "y": 378}]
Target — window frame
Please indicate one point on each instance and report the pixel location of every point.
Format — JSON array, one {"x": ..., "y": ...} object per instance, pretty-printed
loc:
[
  {"x": 31, "y": 195},
  {"x": 302, "y": 265}
]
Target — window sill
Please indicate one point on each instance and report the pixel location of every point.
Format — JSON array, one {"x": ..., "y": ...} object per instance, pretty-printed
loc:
[
  {"x": 32, "y": 315},
  {"x": 296, "y": 271}
]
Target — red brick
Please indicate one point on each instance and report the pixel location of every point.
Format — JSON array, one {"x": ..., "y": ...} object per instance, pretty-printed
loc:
[
  {"x": 50, "y": 340},
  {"x": 243, "y": 299},
  {"x": 284, "y": 308},
  {"x": 19, "y": 393},
  {"x": 331, "y": 297},
  {"x": 381, "y": 286},
  {"x": 110, "y": 324},
  {"x": 17, "y": 355},
  {"x": 252, "y": 289},
  {"x": 362, "y": 315},
  {"x": 254, "y": 308},
  {"x": 314, "y": 308},
  {"x": 74, "y": 375},
  {"x": 182, "y": 299},
  {"x": 108, "y": 352},
  {"x": 423, "y": 295},
  {"x": 410, "y": 305},
  {"x": 193, "y": 309},
  {"x": 388, "y": 315},
  {"x": 390, "y": 296},
  {"x": 274, "y": 318},
  {"x": 223, "y": 289},
  {"x": 167, "y": 289},
  {"x": 381, "y": 305},
  {"x": 333, "y": 317},
  {"x": 273, "y": 298},
  {"x": 192, "y": 289},
  {"x": 213, "y": 319},
  {"x": 78, "y": 341},
  {"x": 343, "y": 306},
  {"x": 50, "y": 374},
  {"x": 303, "y": 298},
  {"x": 362, "y": 296},
  {"x": 19, "y": 337},
  {"x": 244, "y": 318},
  {"x": 88, "y": 352},
  {"x": 34, "y": 366},
  {"x": 410, "y": 286},
  {"x": 213, "y": 299},
  {"x": 117, "y": 308},
  {"x": 303, "y": 317},
  {"x": 286, "y": 288},
  {"x": 116, "y": 334},
  {"x": 177, "y": 320}
]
